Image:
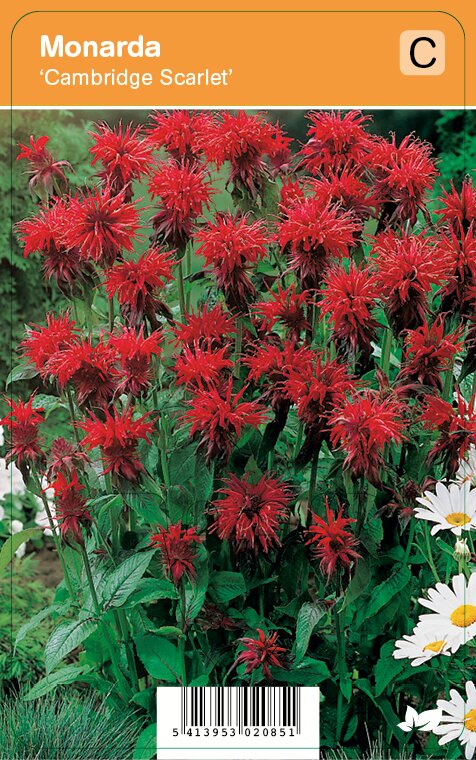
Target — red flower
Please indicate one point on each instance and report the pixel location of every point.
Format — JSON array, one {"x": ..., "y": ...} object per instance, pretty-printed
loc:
[
  {"x": 45, "y": 233},
  {"x": 332, "y": 543},
  {"x": 136, "y": 283},
  {"x": 335, "y": 139},
  {"x": 402, "y": 177},
  {"x": 177, "y": 547},
  {"x": 135, "y": 354},
  {"x": 71, "y": 508},
  {"x": 349, "y": 297},
  {"x": 219, "y": 420},
  {"x": 101, "y": 225},
  {"x": 286, "y": 307},
  {"x": 205, "y": 328},
  {"x": 347, "y": 189},
  {"x": 201, "y": 367},
  {"x": 250, "y": 514},
  {"x": 261, "y": 652},
  {"x": 90, "y": 368},
  {"x": 457, "y": 428},
  {"x": 22, "y": 423},
  {"x": 230, "y": 244},
  {"x": 291, "y": 193},
  {"x": 407, "y": 267},
  {"x": 244, "y": 140},
  {"x": 277, "y": 363},
  {"x": 316, "y": 391},
  {"x": 42, "y": 343},
  {"x": 363, "y": 426},
  {"x": 312, "y": 232},
  {"x": 179, "y": 132},
  {"x": 183, "y": 191},
  {"x": 460, "y": 249},
  {"x": 63, "y": 457},
  {"x": 47, "y": 175},
  {"x": 459, "y": 209},
  {"x": 428, "y": 352},
  {"x": 118, "y": 436},
  {"x": 124, "y": 156}
]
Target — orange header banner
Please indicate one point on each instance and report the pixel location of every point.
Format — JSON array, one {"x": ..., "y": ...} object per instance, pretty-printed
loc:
[{"x": 272, "y": 56}]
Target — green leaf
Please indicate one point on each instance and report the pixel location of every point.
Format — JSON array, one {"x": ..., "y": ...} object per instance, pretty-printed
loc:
[
  {"x": 14, "y": 542},
  {"x": 387, "y": 668},
  {"x": 160, "y": 657},
  {"x": 151, "y": 589},
  {"x": 68, "y": 674},
  {"x": 34, "y": 621},
  {"x": 146, "y": 746},
  {"x": 308, "y": 617},
  {"x": 21, "y": 372},
  {"x": 309, "y": 673},
  {"x": 65, "y": 638},
  {"x": 47, "y": 403},
  {"x": 358, "y": 584},
  {"x": 125, "y": 579},
  {"x": 225, "y": 586},
  {"x": 195, "y": 597},
  {"x": 387, "y": 590}
]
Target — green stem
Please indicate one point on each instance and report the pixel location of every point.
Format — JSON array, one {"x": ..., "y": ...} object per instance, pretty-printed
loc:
[
  {"x": 431, "y": 561},
  {"x": 340, "y": 661},
  {"x": 189, "y": 272},
  {"x": 57, "y": 543},
  {"x": 163, "y": 453},
  {"x": 238, "y": 342},
  {"x": 72, "y": 414},
  {"x": 387, "y": 351},
  {"x": 182, "y": 640},
  {"x": 299, "y": 437},
  {"x": 122, "y": 684},
  {"x": 411, "y": 536},
  {"x": 313, "y": 478},
  {"x": 111, "y": 314},
  {"x": 181, "y": 290},
  {"x": 448, "y": 386},
  {"x": 361, "y": 507},
  {"x": 124, "y": 626}
]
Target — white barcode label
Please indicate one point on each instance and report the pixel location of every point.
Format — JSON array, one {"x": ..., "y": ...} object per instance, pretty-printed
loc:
[{"x": 238, "y": 723}]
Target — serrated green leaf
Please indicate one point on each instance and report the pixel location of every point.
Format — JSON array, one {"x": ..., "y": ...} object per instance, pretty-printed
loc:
[
  {"x": 150, "y": 590},
  {"x": 68, "y": 674},
  {"x": 160, "y": 657},
  {"x": 387, "y": 590},
  {"x": 309, "y": 672},
  {"x": 21, "y": 372},
  {"x": 387, "y": 668},
  {"x": 65, "y": 638},
  {"x": 308, "y": 617},
  {"x": 120, "y": 584},
  {"x": 35, "y": 621},
  {"x": 225, "y": 586}
]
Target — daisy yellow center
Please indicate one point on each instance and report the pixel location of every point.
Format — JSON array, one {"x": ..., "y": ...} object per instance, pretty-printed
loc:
[
  {"x": 435, "y": 646},
  {"x": 470, "y": 720},
  {"x": 457, "y": 518},
  {"x": 464, "y": 615}
]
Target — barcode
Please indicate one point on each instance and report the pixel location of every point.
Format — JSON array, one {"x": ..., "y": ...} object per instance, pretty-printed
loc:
[{"x": 241, "y": 707}]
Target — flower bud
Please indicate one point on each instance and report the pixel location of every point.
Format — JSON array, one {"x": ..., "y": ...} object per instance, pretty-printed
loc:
[{"x": 462, "y": 550}]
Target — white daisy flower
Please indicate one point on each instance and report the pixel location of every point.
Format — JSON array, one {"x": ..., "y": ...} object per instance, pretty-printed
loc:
[
  {"x": 454, "y": 618},
  {"x": 452, "y": 508},
  {"x": 426, "y": 721},
  {"x": 467, "y": 468},
  {"x": 460, "y": 721},
  {"x": 421, "y": 646},
  {"x": 462, "y": 550}
]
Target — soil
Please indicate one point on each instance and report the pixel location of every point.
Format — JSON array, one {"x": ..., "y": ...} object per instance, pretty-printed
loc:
[{"x": 48, "y": 566}]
